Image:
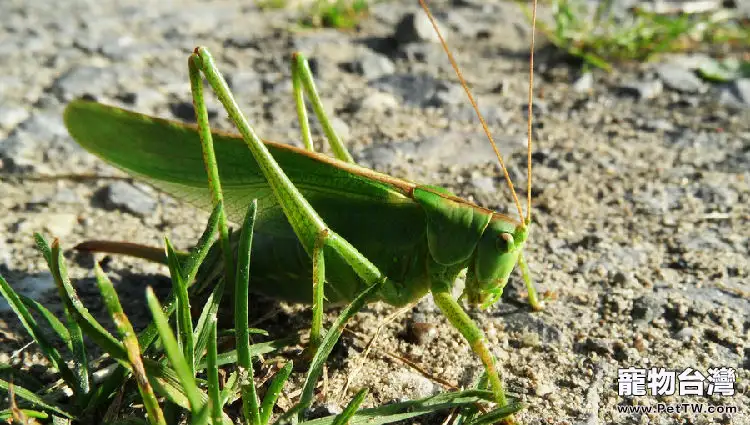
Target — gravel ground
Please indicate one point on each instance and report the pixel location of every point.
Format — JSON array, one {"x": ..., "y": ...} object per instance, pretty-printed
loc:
[{"x": 641, "y": 197}]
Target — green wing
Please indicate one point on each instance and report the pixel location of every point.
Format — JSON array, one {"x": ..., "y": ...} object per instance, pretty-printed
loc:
[
  {"x": 167, "y": 155},
  {"x": 374, "y": 212}
]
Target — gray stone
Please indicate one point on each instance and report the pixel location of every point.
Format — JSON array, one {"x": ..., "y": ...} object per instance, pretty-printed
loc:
[
  {"x": 658, "y": 125},
  {"x": 409, "y": 382},
  {"x": 646, "y": 309},
  {"x": 245, "y": 85},
  {"x": 5, "y": 256},
  {"x": 420, "y": 330},
  {"x": 680, "y": 6},
  {"x": 447, "y": 95},
  {"x": 685, "y": 334},
  {"x": 122, "y": 196},
  {"x": 372, "y": 65},
  {"x": 618, "y": 278},
  {"x": 706, "y": 241},
  {"x": 323, "y": 410},
  {"x": 120, "y": 47},
  {"x": 584, "y": 83},
  {"x": 421, "y": 90},
  {"x": 539, "y": 108},
  {"x": 736, "y": 93},
  {"x": 65, "y": 196},
  {"x": 415, "y": 27},
  {"x": 680, "y": 79},
  {"x": 378, "y": 157},
  {"x": 34, "y": 286},
  {"x": 186, "y": 111},
  {"x": 716, "y": 195},
  {"x": 377, "y": 102},
  {"x": 426, "y": 305},
  {"x": 642, "y": 90},
  {"x": 528, "y": 322},
  {"x": 495, "y": 116},
  {"x": 601, "y": 346},
  {"x": 20, "y": 152},
  {"x": 464, "y": 25},
  {"x": 429, "y": 53},
  {"x": 10, "y": 116},
  {"x": 484, "y": 184},
  {"x": 146, "y": 98},
  {"x": 241, "y": 41},
  {"x": 341, "y": 128},
  {"x": 691, "y": 61},
  {"x": 60, "y": 225},
  {"x": 743, "y": 9},
  {"x": 83, "y": 80},
  {"x": 61, "y": 196}
]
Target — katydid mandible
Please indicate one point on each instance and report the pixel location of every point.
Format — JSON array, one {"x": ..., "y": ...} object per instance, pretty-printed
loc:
[{"x": 352, "y": 225}]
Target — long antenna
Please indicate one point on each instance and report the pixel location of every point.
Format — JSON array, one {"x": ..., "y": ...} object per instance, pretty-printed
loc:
[
  {"x": 531, "y": 99},
  {"x": 476, "y": 108}
]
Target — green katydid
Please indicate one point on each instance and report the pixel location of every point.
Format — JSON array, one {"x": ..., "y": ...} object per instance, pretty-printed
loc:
[{"x": 322, "y": 219}]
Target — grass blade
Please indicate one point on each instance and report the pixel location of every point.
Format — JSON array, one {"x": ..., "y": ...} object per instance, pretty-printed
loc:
[
  {"x": 184, "y": 319},
  {"x": 196, "y": 256},
  {"x": 181, "y": 367},
  {"x": 148, "y": 335},
  {"x": 29, "y": 396},
  {"x": 344, "y": 417},
  {"x": 333, "y": 334},
  {"x": 106, "y": 389},
  {"x": 83, "y": 318},
  {"x": 54, "y": 323},
  {"x": 405, "y": 410},
  {"x": 7, "y": 414},
  {"x": 129, "y": 339},
  {"x": 43, "y": 247},
  {"x": 231, "y": 389},
  {"x": 202, "y": 334},
  {"x": 166, "y": 382},
  {"x": 212, "y": 371},
  {"x": 250, "y": 404},
  {"x": 496, "y": 415},
  {"x": 25, "y": 379},
  {"x": 60, "y": 275},
  {"x": 80, "y": 358},
  {"x": 273, "y": 392},
  {"x": 129, "y": 421},
  {"x": 468, "y": 413},
  {"x": 31, "y": 326},
  {"x": 257, "y": 349}
]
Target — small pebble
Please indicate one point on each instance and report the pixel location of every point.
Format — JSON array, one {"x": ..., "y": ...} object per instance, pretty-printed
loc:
[
  {"x": 121, "y": 195},
  {"x": 642, "y": 90},
  {"x": 420, "y": 331},
  {"x": 415, "y": 27},
  {"x": 685, "y": 334},
  {"x": 584, "y": 83},
  {"x": 378, "y": 102}
]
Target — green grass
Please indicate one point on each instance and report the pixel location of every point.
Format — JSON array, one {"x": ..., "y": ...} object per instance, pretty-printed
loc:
[
  {"x": 342, "y": 14},
  {"x": 168, "y": 373},
  {"x": 600, "y": 41}
]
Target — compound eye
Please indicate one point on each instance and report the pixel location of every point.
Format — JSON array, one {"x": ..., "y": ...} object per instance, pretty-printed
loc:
[{"x": 505, "y": 242}]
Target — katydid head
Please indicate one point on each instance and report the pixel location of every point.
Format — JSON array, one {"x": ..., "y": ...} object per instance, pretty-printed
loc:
[
  {"x": 495, "y": 257},
  {"x": 500, "y": 246}
]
